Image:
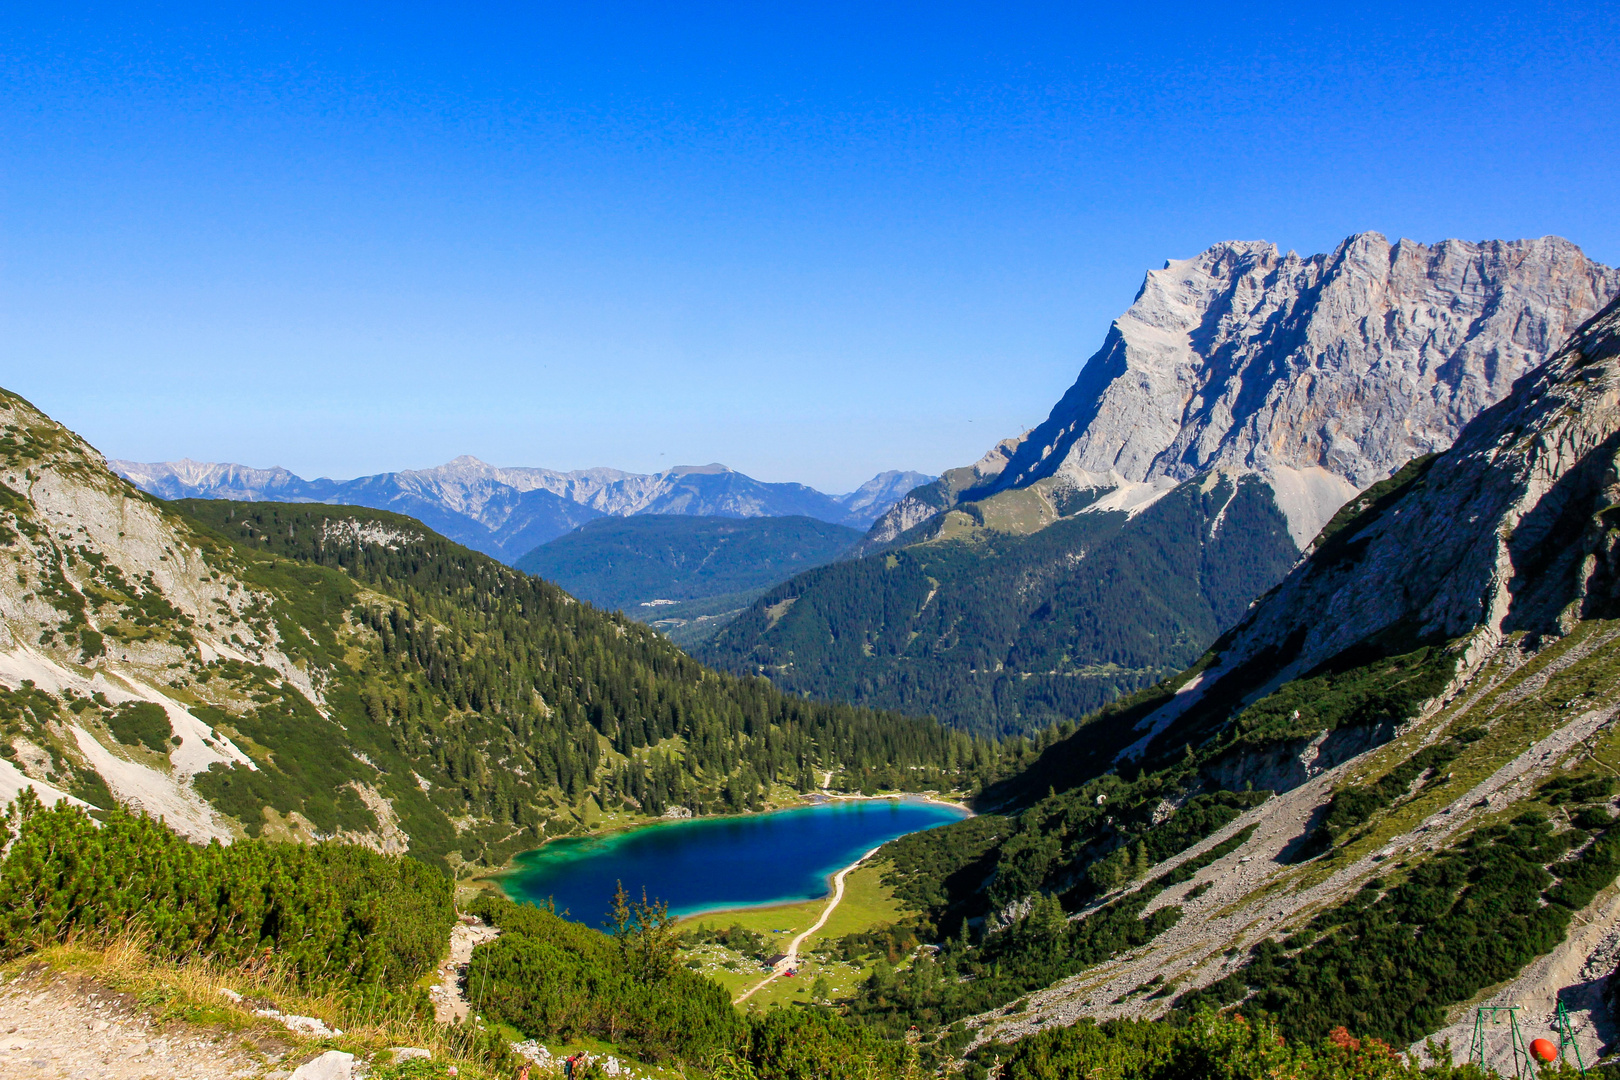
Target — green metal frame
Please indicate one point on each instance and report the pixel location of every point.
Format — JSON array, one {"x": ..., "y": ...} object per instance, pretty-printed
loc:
[
  {"x": 1524, "y": 1065},
  {"x": 1566, "y": 1037},
  {"x": 1524, "y": 1062}
]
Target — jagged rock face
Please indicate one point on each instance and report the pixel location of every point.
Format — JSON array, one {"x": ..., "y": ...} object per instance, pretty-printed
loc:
[
  {"x": 1324, "y": 373},
  {"x": 1512, "y": 529}
]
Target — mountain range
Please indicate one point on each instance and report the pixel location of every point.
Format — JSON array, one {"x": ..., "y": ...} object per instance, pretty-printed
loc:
[
  {"x": 1243, "y": 398},
  {"x": 508, "y": 512},
  {"x": 1384, "y": 794}
]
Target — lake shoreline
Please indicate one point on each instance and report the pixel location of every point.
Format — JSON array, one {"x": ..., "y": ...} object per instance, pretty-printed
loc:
[
  {"x": 490, "y": 878},
  {"x": 772, "y": 905},
  {"x": 836, "y": 893}
]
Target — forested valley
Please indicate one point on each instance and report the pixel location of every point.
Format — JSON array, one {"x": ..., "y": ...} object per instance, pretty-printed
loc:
[
  {"x": 1004, "y": 631},
  {"x": 525, "y": 700}
]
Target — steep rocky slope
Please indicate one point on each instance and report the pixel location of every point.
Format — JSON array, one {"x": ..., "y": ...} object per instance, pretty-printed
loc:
[
  {"x": 1284, "y": 384},
  {"x": 508, "y": 512},
  {"x": 1387, "y": 794},
  {"x": 304, "y": 671}
]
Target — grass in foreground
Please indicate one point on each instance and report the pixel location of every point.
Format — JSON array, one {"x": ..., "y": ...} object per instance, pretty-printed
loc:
[{"x": 174, "y": 994}]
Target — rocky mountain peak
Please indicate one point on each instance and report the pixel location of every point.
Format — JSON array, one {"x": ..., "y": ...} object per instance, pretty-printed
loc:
[{"x": 1323, "y": 373}]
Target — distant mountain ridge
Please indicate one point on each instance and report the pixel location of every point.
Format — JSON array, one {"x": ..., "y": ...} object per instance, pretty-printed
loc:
[
  {"x": 508, "y": 512},
  {"x": 1244, "y": 397}
]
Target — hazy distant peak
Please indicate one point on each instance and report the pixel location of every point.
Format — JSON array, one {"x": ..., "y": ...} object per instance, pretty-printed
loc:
[
  {"x": 883, "y": 491},
  {"x": 714, "y": 468},
  {"x": 506, "y": 512}
]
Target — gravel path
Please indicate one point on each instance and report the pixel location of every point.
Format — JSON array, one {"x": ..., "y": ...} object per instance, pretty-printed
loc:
[
  {"x": 450, "y": 1005},
  {"x": 63, "y": 1028},
  {"x": 793, "y": 946}
]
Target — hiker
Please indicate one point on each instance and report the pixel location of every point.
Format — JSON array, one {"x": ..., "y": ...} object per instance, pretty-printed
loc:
[
  {"x": 568, "y": 1066},
  {"x": 523, "y": 1073}
]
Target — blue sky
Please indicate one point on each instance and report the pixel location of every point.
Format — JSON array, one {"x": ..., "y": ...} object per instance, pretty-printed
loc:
[{"x": 811, "y": 241}]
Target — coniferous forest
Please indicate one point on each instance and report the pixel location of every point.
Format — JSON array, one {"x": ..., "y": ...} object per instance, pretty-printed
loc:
[{"x": 522, "y": 697}]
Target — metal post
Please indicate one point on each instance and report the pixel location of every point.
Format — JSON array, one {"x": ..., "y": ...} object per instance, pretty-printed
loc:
[
  {"x": 1521, "y": 1049},
  {"x": 1566, "y": 1037}
]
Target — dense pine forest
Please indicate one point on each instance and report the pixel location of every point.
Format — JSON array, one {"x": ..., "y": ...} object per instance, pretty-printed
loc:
[{"x": 999, "y": 633}]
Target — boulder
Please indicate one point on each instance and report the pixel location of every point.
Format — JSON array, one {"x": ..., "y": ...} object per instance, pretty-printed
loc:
[{"x": 332, "y": 1065}]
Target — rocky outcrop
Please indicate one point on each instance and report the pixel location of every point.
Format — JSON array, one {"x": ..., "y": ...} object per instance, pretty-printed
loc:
[
  {"x": 1323, "y": 373},
  {"x": 926, "y": 500},
  {"x": 1513, "y": 529}
]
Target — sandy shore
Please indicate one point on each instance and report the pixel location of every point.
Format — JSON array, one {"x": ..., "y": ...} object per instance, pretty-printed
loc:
[{"x": 914, "y": 796}]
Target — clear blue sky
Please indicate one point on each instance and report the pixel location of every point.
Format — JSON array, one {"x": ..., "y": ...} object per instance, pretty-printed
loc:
[{"x": 811, "y": 241}]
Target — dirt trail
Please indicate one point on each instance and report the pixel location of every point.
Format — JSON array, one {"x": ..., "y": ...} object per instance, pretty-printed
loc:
[
  {"x": 450, "y": 1005},
  {"x": 55, "y": 1026},
  {"x": 792, "y": 954}
]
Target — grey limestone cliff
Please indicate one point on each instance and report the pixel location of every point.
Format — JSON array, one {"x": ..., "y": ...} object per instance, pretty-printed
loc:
[
  {"x": 1323, "y": 374},
  {"x": 1514, "y": 529}
]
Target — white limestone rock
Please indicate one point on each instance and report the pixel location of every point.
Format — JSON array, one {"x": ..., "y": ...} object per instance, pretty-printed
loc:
[
  {"x": 332, "y": 1065},
  {"x": 1511, "y": 530}
]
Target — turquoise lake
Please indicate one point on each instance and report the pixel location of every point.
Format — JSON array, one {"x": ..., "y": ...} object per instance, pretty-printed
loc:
[{"x": 709, "y": 864}]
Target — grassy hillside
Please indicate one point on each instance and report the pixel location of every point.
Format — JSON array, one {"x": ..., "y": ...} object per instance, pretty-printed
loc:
[{"x": 1000, "y": 632}]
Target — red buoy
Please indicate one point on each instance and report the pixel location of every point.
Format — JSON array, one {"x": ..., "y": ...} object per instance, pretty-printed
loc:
[{"x": 1544, "y": 1050}]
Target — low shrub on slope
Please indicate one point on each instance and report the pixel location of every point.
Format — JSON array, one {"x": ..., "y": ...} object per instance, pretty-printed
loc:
[{"x": 332, "y": 915}]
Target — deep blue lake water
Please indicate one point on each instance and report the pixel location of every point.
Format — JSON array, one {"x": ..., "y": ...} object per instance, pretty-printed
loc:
[{"x": 709, "y": 864}]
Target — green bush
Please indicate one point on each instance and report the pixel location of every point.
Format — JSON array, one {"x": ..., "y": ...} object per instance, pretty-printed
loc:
[
  {"x": 141, "y": 723},
  {"x": 334, "y": 914},
  {"x": 554, "y": 979},
  {"x": 814, "y": 1044},
  {"x": 1209, "y": 1047}
]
